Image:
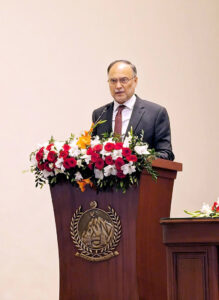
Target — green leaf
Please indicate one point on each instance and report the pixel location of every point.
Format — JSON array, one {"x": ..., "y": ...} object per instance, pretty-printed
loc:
[
  {"x": 53, "y": 180},
  {"x": 52, "y": 140},
  {"x": 72, "y": 136}
]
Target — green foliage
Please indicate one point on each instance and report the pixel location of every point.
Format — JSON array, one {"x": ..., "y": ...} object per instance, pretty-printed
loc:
[
  {"x": 200, "y": 214},
  {"x": 51, "y": 141},
  {"x": 72, "y": 136},
  {"x": 98, "y": 123}
]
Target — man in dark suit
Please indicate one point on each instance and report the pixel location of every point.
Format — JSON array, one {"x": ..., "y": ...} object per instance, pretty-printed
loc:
[{"x": 128, "y": 110}]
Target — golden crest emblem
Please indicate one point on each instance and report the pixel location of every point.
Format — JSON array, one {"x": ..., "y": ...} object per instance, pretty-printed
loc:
[{"x": 96, "y": 233}]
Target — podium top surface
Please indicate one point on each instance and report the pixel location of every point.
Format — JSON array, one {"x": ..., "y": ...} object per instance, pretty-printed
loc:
[
  {"x": 167, "y": 164},
  {"x": 171, "y": 221},
  {"x": 190, "y": 230}
]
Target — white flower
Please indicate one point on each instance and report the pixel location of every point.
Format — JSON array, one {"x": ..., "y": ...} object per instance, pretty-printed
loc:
[
  {"x": 116, "y": 153},
  {"x": 58, "y": 145},
  {"x": 104, "y": 153},
  {"x": 79, "y": 163},
  {"x": 45, "y": 154},
  {"x": 46, "y": 174},
  {"x": 110, "y": 170},
  {"x": 59, "y": 165},
  {"x": 98, "y": 173},
  {"x": 78, "y": 176},
  {"x": 51, "y": 165},
  {"x": 73, "y": 143},
  {"x": 206, "y": 209},
  {"x": 141, "y": 149},
  {"x": 53, "y": 148},
  {"x": 74, "y": 151},
  {"x": 128, "y": 168},
  {"x": 83, "y": 151},
  {"x": 127, "y": 141},
  {"x": 95, "y": 141},
  {"x": 59, "y": 162},
  {"x": 87, "y": 158}
]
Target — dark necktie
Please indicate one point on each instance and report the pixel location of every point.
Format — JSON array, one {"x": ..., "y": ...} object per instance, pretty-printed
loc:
[{"x": 118, "y": 121}]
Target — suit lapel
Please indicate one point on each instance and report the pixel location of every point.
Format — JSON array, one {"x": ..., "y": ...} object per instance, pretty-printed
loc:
[
  {"x": 137, "y": 113},
  {"x": 108, "y": 116}
]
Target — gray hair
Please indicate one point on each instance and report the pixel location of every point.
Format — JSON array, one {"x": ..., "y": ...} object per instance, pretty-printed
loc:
[{"x": 125, "y": 62}]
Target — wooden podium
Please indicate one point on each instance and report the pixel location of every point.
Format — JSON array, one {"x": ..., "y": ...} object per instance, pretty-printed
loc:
[
  {"x": 139, "y": 271},
  {"x": 192, "y": 258}
]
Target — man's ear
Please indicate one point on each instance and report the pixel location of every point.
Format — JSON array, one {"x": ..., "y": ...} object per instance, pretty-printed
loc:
[{"x": 136, "y": 80}]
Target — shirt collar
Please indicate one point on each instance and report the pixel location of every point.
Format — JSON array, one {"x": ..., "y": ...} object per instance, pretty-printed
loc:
[{"x": 129, "y": 103}]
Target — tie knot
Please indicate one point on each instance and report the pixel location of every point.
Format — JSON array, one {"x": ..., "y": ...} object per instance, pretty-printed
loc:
[{"x": 120, "y": 108}]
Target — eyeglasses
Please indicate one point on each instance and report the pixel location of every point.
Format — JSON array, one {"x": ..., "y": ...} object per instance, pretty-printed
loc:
[{"x": 123, "y": 80}]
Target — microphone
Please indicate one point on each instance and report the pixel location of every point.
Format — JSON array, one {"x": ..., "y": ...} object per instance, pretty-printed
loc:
[{"x": 104, "y": 110}]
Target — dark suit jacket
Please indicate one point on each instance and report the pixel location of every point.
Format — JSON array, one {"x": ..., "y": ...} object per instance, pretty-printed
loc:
[{"x": 146, "y": 115}]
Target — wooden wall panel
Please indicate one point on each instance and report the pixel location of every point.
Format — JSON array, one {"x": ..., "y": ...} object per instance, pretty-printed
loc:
[
  {"x": 191, "y": 276},
  {"x": 192, "y": 258}
]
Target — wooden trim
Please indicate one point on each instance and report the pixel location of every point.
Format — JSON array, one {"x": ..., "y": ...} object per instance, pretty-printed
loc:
[
  {"x": 167, "y": 164},
  {"x": 168, "y": 221}
]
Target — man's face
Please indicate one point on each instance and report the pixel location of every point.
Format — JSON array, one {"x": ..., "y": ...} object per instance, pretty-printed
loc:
[{"x": 122, "y": 92}]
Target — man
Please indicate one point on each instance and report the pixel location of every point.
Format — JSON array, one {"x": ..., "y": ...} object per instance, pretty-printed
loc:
[{"x": 128, "y": 110}]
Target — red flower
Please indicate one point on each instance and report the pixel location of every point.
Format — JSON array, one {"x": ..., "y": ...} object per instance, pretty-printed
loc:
[
  {"x": 109, "y": 160},
  {"x": 131, "y": 157},
  {"x": 94, "y": 157},
  {"x": 40, "y": 166},
  {"x": 119, "y": 162},
  {"x": 215, "y": 207},
  {"x": 90, "y": 151},
  {"x": 98, "y": 148},
  {"x": 90, "y": 166},
  {"x": 69, "y": 163},
  {"x": 49, "y": 147},
  {"x": 118, "y": 146},
  {"x": 99, "y": 163},
  {"x": 51, "y": 156},
  {"x": 66, "y": 147},
  {"x": 120, "y": 174},
  {"x": 126, "y": 151},
  {"x": 109, "y": 147},
  {"x": 63, "y": 154},
  {"x": 46, "y": 166},
  {"x": 39, "y": 155},
  {"x": 72, "y": 162}
]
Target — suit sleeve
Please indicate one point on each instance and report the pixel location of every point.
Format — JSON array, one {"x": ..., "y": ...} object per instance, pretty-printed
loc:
[
  {"x": 94, "y": 118},
  {"x": 163, "y": 135}
]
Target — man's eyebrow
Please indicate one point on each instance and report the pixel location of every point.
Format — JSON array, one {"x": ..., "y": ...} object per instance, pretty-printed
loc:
[{"x": 119, "y": 77}]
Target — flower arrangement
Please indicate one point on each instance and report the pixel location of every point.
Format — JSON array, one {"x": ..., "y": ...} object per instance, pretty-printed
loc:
[
  {"x": 206, "y": 211},
  {"x": 88, "y": 160}
]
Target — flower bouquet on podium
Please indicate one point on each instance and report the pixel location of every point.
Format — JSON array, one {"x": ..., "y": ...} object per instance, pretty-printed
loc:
[{"x": 101, "y": 163}]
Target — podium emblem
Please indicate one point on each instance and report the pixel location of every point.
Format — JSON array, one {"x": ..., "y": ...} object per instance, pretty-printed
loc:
[{"x": 96, "y": 233}]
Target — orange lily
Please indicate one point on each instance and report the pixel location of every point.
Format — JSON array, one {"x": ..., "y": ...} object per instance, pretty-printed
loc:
[
  {"x": 82, "y": 183},
  {"x": 85, "y": 139}
]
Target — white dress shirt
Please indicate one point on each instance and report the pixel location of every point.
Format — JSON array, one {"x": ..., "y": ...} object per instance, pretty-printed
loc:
[{"x": 126, "y": 113}]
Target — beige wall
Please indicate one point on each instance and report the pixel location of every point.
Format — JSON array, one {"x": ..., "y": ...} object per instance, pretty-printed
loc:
[{"x": 53, "y": 59}]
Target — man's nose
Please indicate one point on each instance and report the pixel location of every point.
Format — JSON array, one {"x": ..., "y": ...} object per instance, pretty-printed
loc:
[{"x": 118, "y": 84}]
